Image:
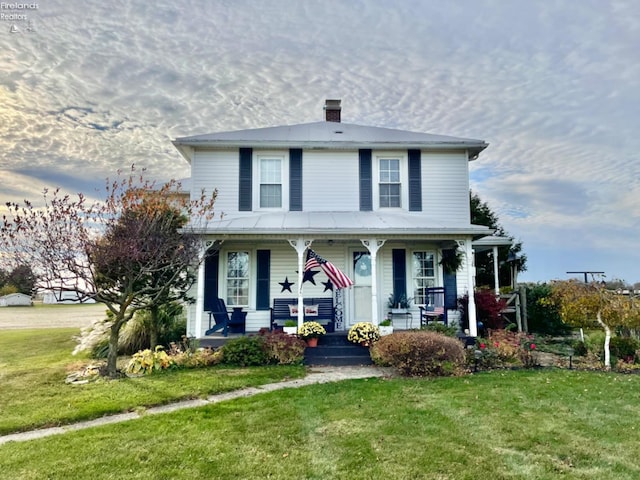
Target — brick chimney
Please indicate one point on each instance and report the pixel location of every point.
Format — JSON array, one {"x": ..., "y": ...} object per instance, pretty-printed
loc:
[{"x": 332, "y": 110}]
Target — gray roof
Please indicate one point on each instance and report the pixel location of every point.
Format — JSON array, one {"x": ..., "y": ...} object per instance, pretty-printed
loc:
[
  {"x": 332, "y": 135},
  {"x": 487, "y": 243},
  {"x": 336, "y": 224}
]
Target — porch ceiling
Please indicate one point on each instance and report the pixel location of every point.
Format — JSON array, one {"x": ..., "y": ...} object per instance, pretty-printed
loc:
[{"x": 338, "y": 225}]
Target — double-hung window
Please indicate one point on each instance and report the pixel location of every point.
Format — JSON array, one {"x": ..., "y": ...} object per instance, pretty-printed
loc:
[
  {"x": 389, "y": 183},
  {"x": 270, "y": 183},
  {"x": 424, "y": 275},
  {"x": 238, "y": 278}
]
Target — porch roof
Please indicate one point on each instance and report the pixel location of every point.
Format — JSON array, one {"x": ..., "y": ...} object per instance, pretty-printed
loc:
[
  {"x": 337, "y": 225},
  {"x": 487, "y": 243}
]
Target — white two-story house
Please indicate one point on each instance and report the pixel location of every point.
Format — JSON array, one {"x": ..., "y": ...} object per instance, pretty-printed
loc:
[{"x": 382, "y": 205}]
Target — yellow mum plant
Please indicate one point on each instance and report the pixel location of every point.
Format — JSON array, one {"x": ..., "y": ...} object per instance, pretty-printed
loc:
[
  {"x": 311, "y": 330},
  {"x": 364, "y": 333}
]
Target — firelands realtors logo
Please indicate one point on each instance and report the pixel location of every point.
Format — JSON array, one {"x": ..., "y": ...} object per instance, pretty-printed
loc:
[{"x": 18, "y": 16}]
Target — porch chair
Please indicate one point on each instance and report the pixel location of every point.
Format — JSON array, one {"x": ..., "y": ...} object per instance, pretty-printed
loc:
[
  {"x": 434, "y": 309},
  {"x": 223, "y": 322}
]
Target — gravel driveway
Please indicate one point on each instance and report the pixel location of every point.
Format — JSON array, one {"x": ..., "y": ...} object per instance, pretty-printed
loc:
[{"x": 50, "y": 316}]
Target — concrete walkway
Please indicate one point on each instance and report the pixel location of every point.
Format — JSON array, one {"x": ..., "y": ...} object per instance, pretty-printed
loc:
[{"x": 315, "y": 375}]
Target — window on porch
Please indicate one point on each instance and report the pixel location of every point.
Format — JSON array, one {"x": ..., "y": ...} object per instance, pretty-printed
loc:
[
  {"x": 237, "y": 279},
  {"x": 424, "y": 275}
]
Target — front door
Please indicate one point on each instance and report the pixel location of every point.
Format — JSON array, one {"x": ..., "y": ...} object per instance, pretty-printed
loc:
[{"x": 360, "y": 304}]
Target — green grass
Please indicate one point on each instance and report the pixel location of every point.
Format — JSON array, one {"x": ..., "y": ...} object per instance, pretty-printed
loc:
[
  {"x": 512, "y": 425},
  {"x": 33, "y": 366},
  {"x": 541, "y": 424}
]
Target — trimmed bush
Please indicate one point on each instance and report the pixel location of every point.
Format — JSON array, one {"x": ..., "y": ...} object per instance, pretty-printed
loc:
[
  {"x": 420, "y": 353},
  {"x": 245, "y": 351},
  {"x": 282, "y": 348},
  {"x": 441, "y": 328},
  {"x": 543, "y": 316},
  {"x": 624, "y": 348}
]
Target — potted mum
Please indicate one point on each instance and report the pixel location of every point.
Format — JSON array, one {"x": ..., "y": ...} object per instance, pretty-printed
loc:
[
  {"x": 364, "y": 333},
  {"x": 310, "y": 332}
]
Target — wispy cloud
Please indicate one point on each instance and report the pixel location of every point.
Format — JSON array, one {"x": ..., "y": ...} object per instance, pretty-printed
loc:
[{"x": 552, "y": 87}]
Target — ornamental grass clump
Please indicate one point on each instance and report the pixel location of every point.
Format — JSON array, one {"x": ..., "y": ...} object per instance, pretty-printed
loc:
[
  {"x": 364, "y": 333},
  {"x": 420, "y": 354},
  {"x": 311, "y": 330}
]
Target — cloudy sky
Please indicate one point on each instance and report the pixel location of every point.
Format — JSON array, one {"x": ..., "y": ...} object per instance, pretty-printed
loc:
[{"x": 90, "y": 87}]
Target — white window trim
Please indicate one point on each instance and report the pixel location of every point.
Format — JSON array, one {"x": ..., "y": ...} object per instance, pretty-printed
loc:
[
  {"x": 224, "y": 264},
  {"x": 284, "y": 158},
  {"x": 404, "y": 179},
  {"x": 436, "y": 270}
]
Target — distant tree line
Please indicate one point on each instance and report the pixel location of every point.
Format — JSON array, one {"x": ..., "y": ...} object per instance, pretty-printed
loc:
[{"x": 19, "y": 280}]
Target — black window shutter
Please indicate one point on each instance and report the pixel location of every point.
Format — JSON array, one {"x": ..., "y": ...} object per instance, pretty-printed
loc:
[
  {"x": 415, "y": 181},
  {"x": 295, "y": 179},
  {"x": 399, "y": 258},
  {"x": 366, "y": 179},
  {"x": 263, "y": 279},
  {"x": 211, "y": 263},
  {"x": 246, "y": 177},
  {"x": 450, "y": 283}
]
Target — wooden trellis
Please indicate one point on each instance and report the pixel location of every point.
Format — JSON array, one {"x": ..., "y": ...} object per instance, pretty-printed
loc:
[{"x": 516, "y": 308}]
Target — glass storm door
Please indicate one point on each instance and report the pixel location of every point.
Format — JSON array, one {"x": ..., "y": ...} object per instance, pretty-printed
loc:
[{"x": 361, "y": 292}]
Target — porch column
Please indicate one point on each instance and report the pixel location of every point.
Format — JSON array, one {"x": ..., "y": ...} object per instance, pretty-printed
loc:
[
  {"x": 373, "y": 245},
  {"x": 471, "y": 280},
  {"x": 200, "y": 293},
  {"x": 496, "y": 275},
  {"x": 300, "y": 245}
]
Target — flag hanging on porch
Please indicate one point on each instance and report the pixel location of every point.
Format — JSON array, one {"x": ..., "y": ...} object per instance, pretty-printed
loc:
[{"x": 337, "y": 277}]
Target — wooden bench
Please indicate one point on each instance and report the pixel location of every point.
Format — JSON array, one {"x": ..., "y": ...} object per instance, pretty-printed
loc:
[{"x": 326, "y": 316}]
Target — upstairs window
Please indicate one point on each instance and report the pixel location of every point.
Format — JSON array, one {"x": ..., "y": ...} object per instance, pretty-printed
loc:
[
  {"x": 389, "y": 184},
  {"x": 270, "y": 183}
]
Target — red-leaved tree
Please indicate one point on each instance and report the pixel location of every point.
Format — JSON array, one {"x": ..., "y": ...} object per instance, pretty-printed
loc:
[{"x": 136, "y": 250}]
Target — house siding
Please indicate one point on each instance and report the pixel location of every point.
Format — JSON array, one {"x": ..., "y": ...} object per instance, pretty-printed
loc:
[
  {"x": 212, "y": 170},
  {"x": 445, "y": 187},
  {"x": 330, "y": 181}
]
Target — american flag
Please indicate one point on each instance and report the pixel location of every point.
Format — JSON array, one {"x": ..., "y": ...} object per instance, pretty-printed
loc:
[{"x": 339, "y": 279}]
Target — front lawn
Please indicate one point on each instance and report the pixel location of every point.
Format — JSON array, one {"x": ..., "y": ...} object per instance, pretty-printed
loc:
[
  {"x": 500, "y": 425},
  {"x": 34, "y": 364}
]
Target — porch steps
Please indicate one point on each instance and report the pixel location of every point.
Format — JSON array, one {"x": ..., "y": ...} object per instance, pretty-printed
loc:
[{"x": 335, "y": 350}]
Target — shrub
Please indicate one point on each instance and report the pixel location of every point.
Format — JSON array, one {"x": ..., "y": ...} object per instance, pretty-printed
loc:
[
  {"x": 594, "y": 341},
  {"x": 504, "y": 348},
  {"x": 441, "y": 328},
  {"x": 624, "y": 348},
  {"x": 543, "y": 316},
  {"x": 134, "y": 336},
  {"x": 420, "y": 353},
  {"x": 245, "y": 351},
  {"x": 282, "y": 348},
  {"x": 579, "y": 348},
  {"x": 488, "y": 308},
  {"x": 186, "y": 357},
  {"x": 146, "y": 362}
]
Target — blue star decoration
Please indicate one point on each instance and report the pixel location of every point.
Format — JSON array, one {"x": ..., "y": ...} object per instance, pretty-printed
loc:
[
  {"x": 308, "y": 276},
  {"x": 286, "y": 285},
  {"x": 328, "y": 286}
]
